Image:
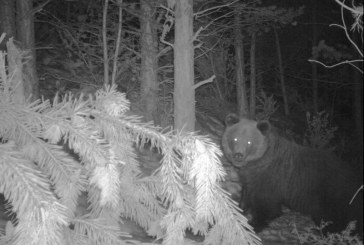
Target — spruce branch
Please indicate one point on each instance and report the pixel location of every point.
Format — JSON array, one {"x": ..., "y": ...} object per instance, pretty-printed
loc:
[
  {"x": 40, "y": 215},
  {"x": 206, "y": 176},
  {"x": 99, "y": 230},
  {"x": 198, "y": 167},
  {"x": 106, "y": 178},
  {"x": 21, "y": 122},
  {"x": 138, "y": 202},
  {"x": 148, "y": 188},
  {"x": 231, "y": 223},
  {"x": 86, "y": 140},
  {"x": 112, "y": 102},
  {"x": 61, "y": 169}
]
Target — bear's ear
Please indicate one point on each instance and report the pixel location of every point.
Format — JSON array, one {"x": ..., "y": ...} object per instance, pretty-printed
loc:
[
  {"x": 231, "y": 119},
  {"x": 264, "y": 127}
]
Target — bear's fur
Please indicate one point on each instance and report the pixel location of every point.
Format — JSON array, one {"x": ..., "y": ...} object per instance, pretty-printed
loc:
[{"x": 276, "y": 171}]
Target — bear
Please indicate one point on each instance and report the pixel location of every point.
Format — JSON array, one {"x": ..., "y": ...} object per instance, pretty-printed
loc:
[{"x": 275, "y": 171}]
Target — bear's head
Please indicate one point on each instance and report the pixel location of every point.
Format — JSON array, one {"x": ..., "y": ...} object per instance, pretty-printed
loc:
[{"x": 244, "y": 140}]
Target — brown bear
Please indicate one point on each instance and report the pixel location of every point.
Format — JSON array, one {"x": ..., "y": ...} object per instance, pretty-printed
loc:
[{"x": 276, "y": 171}]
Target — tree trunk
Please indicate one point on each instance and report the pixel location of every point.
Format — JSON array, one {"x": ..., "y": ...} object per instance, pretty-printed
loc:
[
  {"x": 218, "y": 63},
  {"x": 117, "y": 44},
  {"x": 313, "y": 64},
  {"x": 7, "y": 22},
  {"x": 15, "y": 68},
  {"x": 358, "y": 99},
  {"x": 252, "y": 76},
  {"x": 149, "y": 61},
  {"x": 104, "y": 42},
  {"x": 184, "y": 93},
  {"x": 358, "y": 104},
  {"x": 25, "y": 29},
  {"x": 240, "y": 68},
  {"x": 281, "y": 74}
]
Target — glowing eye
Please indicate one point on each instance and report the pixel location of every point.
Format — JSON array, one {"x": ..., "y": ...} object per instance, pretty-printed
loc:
[
  {"x": 249, "y": 142},
  {"x": 235, "y": 140}
]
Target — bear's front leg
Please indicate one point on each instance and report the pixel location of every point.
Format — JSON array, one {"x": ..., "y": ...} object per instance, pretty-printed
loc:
[{"x": 262, "y": 212}]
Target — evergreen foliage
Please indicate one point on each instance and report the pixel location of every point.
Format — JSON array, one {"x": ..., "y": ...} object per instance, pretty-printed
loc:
[
  {"x": 43, "y": 180},
  {"x": 314, "y": 235}
]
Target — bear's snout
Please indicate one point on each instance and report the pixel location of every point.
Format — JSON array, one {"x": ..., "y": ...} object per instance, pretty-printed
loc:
[{"x": 238, "y": 157}]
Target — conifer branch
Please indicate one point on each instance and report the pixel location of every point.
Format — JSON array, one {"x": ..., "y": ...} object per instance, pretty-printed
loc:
[
  {"x": 31, "y": 198},
  {"x": 184, "y": 192}
]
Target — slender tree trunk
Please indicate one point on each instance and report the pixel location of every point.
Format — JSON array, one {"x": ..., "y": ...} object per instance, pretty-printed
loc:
[
  {"x": 281, "y": 73},
  {"x": 259, "y": 75},
  {"x": 149, "y": 62},
  {"x": 7, "y": 21},
  {"x": 184, "y": 93},
  {"x": 358, "y": 105},
  {"x": 313, "y": 64},
  {"x": 252, "y": 76},
  {"x": 240, "y": 67},
  {"x": 218, "y": 64},
  {"x": 358, "y": 99},
  {"x": 68, "y": 12},
  {"x": 25, "y": 34},
  {"x": 15, "y": 68},
  {"x": 104, "y": 41},
  {"x": 117, "y": 44}
]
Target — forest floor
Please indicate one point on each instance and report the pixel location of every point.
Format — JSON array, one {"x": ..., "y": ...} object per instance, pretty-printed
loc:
[{"x": 284, "y": 231}]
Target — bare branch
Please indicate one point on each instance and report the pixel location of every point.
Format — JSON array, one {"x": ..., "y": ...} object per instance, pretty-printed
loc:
[
  {"x": 343, "y": 5},
  {"x": 349, "y": 62},
  {"x": 196, "y": 34},
  {"x": 164, "y": 51},
  {"x": 199, "y": 14},
  {"x": 345, "y": 28},
  {"x": 347, "y": 34},
  {"x": 165, "y": 42},
  {"x": 221, "y": 17},
  {"x": 2, "y": 37},
  {"x": 40, "y": 7},
  {"x": 209, "y": 49},
  {"x": 356, "y": 193},
  {"x": 209, "y": 80},
  {"x": 167, "y": 9}
]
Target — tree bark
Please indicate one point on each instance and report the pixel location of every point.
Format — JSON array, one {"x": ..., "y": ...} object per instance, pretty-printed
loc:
[
  {"x": 117, "y": 45},
  {"x": 217, "y": 61},
  {"x": 104, "y": 41},
  {"x": 358, "y": 105},
  {"x": 281, "y": 73},
  {"x": 313, "y": 64},
  {"x": 252, "y": 76},
  {"x": 15, "y": 68},
  {"x": 184, "y": 93},
  {"x": 7, "y": 22},
  {"x": 25, "y": 34},
  {"x": 149, "y": 62},
  {"x": 240, "y": 67},
  {"x": 358, "y": 99}
]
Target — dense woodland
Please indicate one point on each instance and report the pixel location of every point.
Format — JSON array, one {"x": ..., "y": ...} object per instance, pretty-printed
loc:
[
  {"x": 259, "y": 45},
  {"x": 187, "y": 64}
]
